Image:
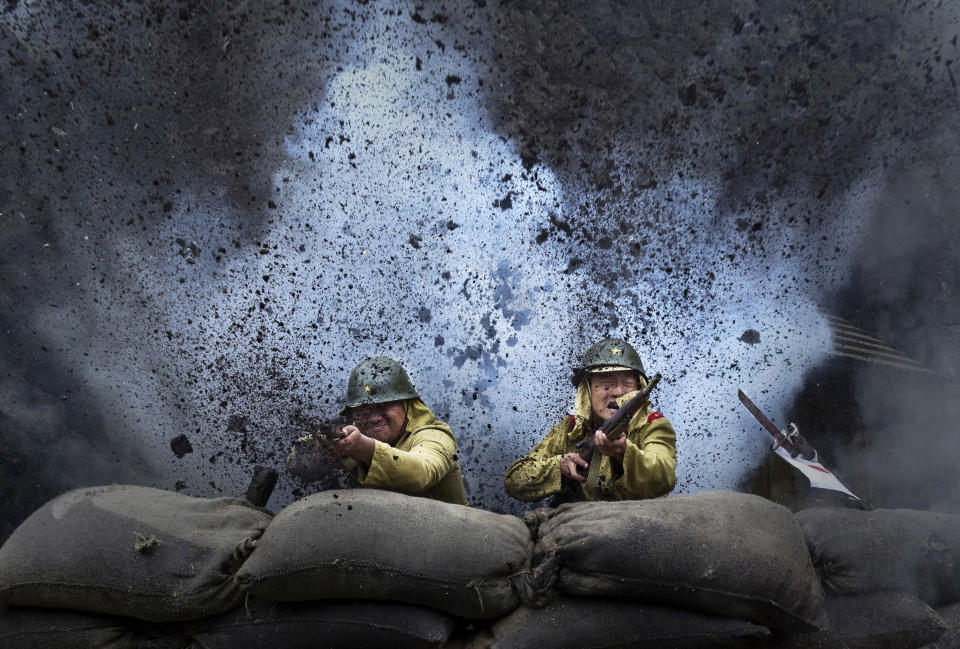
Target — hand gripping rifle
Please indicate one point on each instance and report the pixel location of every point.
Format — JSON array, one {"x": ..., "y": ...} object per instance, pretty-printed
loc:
[
  {"x": 332, "y": 434},
  {"x": 309, "y": 457},
  {"x": 331, "y": 431},
  {"x": 616, "y": 426}
]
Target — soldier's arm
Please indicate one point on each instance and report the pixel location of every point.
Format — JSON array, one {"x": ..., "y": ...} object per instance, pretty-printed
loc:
[
  {"x": 649, "y": 462},
  {"x": 537, "y": 474},
  {"x": 430, "y": 458}
]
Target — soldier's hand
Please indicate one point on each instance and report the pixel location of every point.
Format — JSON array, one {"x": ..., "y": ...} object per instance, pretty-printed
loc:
[
  {"x": 352, "y": 443},
  {"x": 614, "y": 449},
  {"x": 569, "y": 464}
]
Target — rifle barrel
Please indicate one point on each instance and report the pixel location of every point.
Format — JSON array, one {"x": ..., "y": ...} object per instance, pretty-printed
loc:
[{"x": 765, "y": 422}]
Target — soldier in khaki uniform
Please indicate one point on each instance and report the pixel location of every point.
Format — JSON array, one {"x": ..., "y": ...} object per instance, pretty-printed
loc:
[
  {"x": 394, "y": 441},
  {"x": 640, "y": 464}
]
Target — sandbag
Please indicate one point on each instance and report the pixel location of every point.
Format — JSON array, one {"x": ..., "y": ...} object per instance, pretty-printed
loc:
[
  {"x": 857, "y": 552},
  {"x": 47, "y": 628},
  {"x": 24, "y": 627},
  {"x": 133, "y": 551},
  {"x": 877, "y": 621},
  {"x": 951, "y": 638},
  {"x": 719, "y": 552},
  {"x": 323, "y": 625},
  {"x": 950, "y": 614},
  {"x": 578, "y": 622},
  {"x": 381, "y": 545}
]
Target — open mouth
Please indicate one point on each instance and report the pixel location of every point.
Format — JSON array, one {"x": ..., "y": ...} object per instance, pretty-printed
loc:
[{"x": 379, "y": 426}]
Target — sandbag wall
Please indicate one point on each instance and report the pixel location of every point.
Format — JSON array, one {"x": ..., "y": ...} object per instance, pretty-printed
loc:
[
  {"x": 130, "y": 567},
  {"x": 717, "y": 569},
  {"x": 124, "y": 567},
  {"x": 891, "y": 578}
]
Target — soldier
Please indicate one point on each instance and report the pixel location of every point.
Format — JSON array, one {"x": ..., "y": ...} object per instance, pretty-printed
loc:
[
  {"x": 638, "y": 465},
  {"x": 394, "y": 441}
]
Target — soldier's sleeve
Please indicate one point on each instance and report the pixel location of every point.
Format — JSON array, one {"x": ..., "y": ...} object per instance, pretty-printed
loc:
[
  {"x": 537, "y": 474},
  {"x": 430, "y": 458},
  {"x": 649, "y": 461}
]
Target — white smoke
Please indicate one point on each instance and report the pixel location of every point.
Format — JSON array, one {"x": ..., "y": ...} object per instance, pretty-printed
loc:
[{"x": 402, "y": 224}]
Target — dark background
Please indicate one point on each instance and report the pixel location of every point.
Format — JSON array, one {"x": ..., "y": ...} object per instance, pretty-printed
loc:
[{"x": 211, "y": 211}]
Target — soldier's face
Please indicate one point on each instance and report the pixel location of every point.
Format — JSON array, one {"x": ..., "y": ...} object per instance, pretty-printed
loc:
[
  {"x": 381, "y": 421},
  {"x": 607, "y": 386}
]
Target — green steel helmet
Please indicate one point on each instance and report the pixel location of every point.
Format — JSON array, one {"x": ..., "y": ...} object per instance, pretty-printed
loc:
[
  {"x": 377, "y": 380},
  {"x": 610, "y": 354}
]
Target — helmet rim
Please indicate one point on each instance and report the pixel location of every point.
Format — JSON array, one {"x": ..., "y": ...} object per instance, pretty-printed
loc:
[{"x": 609, "y": 355}]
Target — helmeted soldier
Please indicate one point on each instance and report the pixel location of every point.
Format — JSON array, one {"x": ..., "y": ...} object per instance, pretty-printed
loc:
[
  {"x": 393, "y": 439},
  {"x": 640, "y": 464}
]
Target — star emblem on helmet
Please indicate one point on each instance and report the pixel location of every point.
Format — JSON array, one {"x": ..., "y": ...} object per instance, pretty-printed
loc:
[
  {"x": 367, "y": 388},
  {"x": 616, "y": 350}
]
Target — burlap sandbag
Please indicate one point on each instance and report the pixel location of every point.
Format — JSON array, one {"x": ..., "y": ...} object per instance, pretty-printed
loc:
[
  {"x": 373, "y": 544},
  {"x": 857, "y": 552},
  {"x": 951, "y": 617},
  {"x": 717, "y": 552},
  {"x": 581, "y": 622},
  {"x": 323, "y": 625},
  {"x": 877, "y": 621},
  {"x": 134, "y": 551},
  {"x": 47, "y": 628}
]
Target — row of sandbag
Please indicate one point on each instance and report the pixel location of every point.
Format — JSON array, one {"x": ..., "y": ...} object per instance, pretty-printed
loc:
[
  {"x": 885, "y": 572},
  {"x": 125, "y": 567},
  {"x": 159, "y": 556},
  {"x": 256, "y": 623},
  {"x": 722, "y": 553},
  {"x": 877, "y": 621}
]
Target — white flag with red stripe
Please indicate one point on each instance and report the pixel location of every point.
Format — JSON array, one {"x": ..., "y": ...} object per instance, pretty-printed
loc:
[{"x": 815, "y": 472}]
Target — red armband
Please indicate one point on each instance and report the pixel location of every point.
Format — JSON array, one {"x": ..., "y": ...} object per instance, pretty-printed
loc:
[{"x": 653, "y": 416}]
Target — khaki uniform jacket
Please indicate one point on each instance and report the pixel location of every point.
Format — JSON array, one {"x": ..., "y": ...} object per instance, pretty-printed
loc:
[
  {"x": 647, "y": 471},
  {"x": 423, "y": 462}
]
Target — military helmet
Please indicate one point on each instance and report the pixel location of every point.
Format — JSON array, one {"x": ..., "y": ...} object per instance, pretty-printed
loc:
[
  {"x": 609, "y": 355},
  {"x": 378, "y": 380}
]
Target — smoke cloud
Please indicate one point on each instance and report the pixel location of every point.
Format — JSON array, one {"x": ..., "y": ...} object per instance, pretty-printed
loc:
[{"x": 214, "y": 212}]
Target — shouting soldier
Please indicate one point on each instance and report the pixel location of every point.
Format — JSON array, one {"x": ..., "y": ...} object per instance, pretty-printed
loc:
[{"x": 639, "y": 464}]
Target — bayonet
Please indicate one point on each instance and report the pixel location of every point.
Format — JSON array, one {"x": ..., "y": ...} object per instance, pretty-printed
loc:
[{"x": 796, "y": 451}]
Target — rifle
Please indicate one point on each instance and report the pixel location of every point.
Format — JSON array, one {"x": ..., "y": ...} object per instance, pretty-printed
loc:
[
  {"x": 332, "y": 429},
  {"x": 332, "y": 433},
  {"x": 616, "y": 426},
  {"x": 309, "y": 456}
]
